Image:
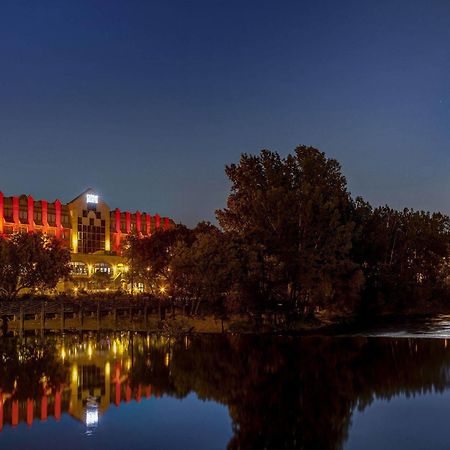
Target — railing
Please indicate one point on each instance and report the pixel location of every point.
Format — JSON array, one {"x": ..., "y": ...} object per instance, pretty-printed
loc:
[{"x": 92, "y": 314}]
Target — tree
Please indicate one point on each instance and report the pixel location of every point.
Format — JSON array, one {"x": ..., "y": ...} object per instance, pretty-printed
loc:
[
  {"x": 293, "y": 216},
  {"x": 403, "y": 254},
  {"x": 204, "y": 268},
  {"x": 193, "y": 266},
  {"x": 30, "y": 368},
  {"x": 31, "y": 261},
  {"x": 149, "y": 257}
]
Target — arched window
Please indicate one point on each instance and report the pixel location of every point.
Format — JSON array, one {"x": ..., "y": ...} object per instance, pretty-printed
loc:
[
  {"x": 79, "y": 268},
  {"x": 102, "y": 268}
]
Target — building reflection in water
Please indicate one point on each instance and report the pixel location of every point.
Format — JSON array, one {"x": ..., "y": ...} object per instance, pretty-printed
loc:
[
  {"x": 281, "y": 392},
  {"x": 81, "y": 376}
]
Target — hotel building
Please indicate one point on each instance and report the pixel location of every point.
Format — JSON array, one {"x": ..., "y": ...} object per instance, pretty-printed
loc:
[{"x": 88, "y": 227}]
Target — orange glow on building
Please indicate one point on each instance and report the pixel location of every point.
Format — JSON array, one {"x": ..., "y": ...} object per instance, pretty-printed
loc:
[
  {"x": 138, "y": 223},
  {"x": 86, "y": 225},
  {"x": 30, "y": 213},
  {"x": 15, "y": 205}
]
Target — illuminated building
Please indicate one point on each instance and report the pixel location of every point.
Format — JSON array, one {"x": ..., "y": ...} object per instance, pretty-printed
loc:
[{"x": 94, "y": 233}]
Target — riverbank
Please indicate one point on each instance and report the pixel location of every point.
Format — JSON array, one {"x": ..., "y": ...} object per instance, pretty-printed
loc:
[{"x": 155, "y": 316}]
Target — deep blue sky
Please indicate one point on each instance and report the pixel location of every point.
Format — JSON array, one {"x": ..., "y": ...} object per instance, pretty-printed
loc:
[{"x": 146, "y": 101}]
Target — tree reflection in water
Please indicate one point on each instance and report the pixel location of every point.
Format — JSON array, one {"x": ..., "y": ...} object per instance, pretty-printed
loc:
[{"x": 281, "y": 392}]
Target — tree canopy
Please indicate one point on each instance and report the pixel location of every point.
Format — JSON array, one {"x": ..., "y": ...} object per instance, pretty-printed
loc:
[
  {"x": 295, "y": 215},
  {"x": 292, "y": 238},
  {"x": 31, "y": 261}
]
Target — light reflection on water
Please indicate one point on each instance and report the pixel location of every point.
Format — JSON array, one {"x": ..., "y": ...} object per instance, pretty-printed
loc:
[
  {"x": 46, "y": 381},
  {"x": 91, "y": 415},
  {"x": 242, "y": 392},
  {"x": 424, "y": 327}
]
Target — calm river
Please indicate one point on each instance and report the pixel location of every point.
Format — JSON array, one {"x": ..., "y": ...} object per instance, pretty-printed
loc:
[{"x": 131, "y": 391}]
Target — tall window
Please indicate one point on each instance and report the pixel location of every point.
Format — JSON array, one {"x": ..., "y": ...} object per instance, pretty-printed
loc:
[
  {"x": 65, "y": 220},
  {"x": 51, "y": 219},
  {"x": 8, "y": 212},
  {"x": 23, "y": 215},
  {"x": 91, "y": 236},
  {"x": 37, "y": 217}
]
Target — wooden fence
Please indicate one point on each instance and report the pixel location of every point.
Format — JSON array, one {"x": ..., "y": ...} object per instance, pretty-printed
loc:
[{"x": 93, "y": 314}]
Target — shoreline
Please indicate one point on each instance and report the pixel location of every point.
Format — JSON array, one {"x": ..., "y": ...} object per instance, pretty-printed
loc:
[{"x": 144, "y": 315}]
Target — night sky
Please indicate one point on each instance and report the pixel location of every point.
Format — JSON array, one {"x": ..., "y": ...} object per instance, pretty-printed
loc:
[{"x": 146, "y": 101}]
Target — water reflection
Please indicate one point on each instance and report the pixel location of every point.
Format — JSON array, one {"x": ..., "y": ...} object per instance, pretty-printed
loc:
[
  {"x": 80, "y": 375},
  {"x": 435, "y": 326},
  {"x": 280, "y": 392}
]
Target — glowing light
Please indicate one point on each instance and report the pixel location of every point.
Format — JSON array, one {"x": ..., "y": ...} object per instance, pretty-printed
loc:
[
  {"x": 90, "y": 350},
  {"x": 167, "y": 360},
  {"x": 63, "y": 353},
  {"x": 115, "y": 347},
  {"x": 91, "y": 198},
  {"x": 107, "y": 369},
  {"x": 92, "y": 417},
  {"x": 162, "y": 289},
  {"x": 74, "y": 373}
]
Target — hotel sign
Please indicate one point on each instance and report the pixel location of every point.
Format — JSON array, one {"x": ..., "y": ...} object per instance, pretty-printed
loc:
[{"x": 91, "y": 198}]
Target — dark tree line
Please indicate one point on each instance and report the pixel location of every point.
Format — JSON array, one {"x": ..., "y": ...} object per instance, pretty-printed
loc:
[
  {"x": 292, "y": 238},
  {"x": 403, "y": 254},
  {"x": 284, "y": 392}
]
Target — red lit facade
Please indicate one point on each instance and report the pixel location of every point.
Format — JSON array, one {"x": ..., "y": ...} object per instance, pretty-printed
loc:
[
  {"x": 94, "y": 234},
  {"x": 22, "y": 214}
]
